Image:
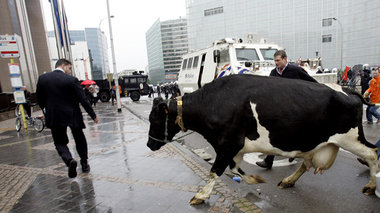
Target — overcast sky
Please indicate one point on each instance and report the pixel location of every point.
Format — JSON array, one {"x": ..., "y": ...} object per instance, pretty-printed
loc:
[{"x": 132, "y": 20}]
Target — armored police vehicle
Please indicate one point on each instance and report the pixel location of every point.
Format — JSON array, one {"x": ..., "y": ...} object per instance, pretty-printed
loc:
[
  {"x": 231, "y": 56},
  {"x": 134, "y": 86}
]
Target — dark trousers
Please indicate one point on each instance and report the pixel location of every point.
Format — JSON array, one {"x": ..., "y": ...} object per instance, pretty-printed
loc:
[
  {"x": 269, "y": 159},
  {"x": 61, "y": 140}
]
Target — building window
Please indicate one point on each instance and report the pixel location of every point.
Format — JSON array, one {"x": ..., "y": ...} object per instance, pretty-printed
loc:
[
  {"x": 326, "y": 38},
  {"x": 326, "y": 22},
  {"x": 213, "y": 11}
]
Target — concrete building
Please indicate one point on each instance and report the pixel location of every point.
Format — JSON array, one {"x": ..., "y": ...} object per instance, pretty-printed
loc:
[
  {"x": 342, "y": 32},
  {"x": 166, "y": 43},
  {"x": 25, "y": 20}
]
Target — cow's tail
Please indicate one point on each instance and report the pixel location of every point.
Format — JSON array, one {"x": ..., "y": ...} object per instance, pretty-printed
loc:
[
  {"x": 363, "y": 140},
  {"x": 361, "y": 137},
  {"x": 353, "y": 92}
]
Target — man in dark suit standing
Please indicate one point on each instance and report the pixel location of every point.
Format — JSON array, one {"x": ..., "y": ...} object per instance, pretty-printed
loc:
[
  {"x": 284, "y": 70},
  {"x": 59, "y": 94}
]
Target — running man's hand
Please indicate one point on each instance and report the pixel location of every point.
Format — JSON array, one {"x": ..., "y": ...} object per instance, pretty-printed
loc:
[{"x": 96, "y": 120}]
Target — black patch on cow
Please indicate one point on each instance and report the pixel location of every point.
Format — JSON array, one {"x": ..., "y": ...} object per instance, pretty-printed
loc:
[{"x": 299, "y": 115}]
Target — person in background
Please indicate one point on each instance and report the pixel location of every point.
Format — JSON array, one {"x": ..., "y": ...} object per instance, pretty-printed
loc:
[
  {"x": 374, "y": 93},
  {"x": 284, "y": 70},
  {"x": 59, "y": 95},
  {"x": 113, "y": 94},
  {"x": 159, "y": 90},
  {"x": 365, "y": 77},
  {"x": 26, "y": 105}
]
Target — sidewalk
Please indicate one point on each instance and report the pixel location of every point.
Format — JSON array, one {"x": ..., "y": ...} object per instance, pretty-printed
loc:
[{"x": 125, "y": 175}]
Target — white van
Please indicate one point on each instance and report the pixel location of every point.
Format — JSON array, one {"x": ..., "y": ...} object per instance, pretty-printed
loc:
[{"x": 226, "y": 57}]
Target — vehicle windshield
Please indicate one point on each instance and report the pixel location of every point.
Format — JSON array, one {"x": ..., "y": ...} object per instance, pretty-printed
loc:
[
  {"x": 268, "y": 53},
  {"x": 244, "y": 54}
]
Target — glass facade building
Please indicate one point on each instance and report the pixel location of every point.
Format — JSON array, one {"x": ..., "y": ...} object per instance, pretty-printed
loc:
[
  {"x": 97, "y": 44},
  {"x": 341, "y": 32},
  {"x": 98, "y": 49},
  {"x": 166, "y": 43}
]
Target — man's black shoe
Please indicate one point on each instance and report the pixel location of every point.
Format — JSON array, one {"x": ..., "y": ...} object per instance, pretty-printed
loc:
[
  {"x": 73, "y": 168},
  {"x": 264, "y": 164},
  {"x": 291, "y": 160},
  {"x": 86, "y": 168}
]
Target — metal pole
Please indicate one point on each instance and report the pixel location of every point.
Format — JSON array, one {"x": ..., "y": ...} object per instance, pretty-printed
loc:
[
  {"x": 115, "y": 75},
  {"x": 341, "y": 42}
]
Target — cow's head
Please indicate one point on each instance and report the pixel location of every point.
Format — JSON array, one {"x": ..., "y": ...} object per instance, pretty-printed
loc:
[{"x": 162, "y": 123}]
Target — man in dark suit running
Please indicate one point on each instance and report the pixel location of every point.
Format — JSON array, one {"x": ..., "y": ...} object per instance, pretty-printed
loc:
[
  {"x": 59, "y": 94},
  {"x": 284, "y": 70}
]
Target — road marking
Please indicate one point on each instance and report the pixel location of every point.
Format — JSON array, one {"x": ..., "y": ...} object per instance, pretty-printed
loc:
[{"x": 24, "y": 141}]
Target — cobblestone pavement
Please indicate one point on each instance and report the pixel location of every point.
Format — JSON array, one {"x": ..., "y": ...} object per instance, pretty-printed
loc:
[{"x": 125, "y": 175}]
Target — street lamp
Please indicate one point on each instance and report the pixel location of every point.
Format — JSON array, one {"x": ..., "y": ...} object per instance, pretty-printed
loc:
[
  {"x": 100, "y": 22},
  {"x": 115, "y": 75},
  {"x": 341, "y": 42}
]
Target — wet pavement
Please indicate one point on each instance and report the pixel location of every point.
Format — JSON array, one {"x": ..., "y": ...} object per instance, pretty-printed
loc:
[{"x": 125, "y": 175}]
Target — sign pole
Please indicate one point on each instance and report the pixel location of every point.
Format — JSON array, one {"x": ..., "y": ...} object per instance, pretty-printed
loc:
[
  {"x": 21, "y": 105},
  {"x": 9, "y": 49}
]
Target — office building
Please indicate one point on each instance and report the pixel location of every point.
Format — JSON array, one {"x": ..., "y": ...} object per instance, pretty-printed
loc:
[
  {"x": 341, "y": 32},
  {"x": 166, "y": 43},
  {"x": 96, "y": 43},
  {"x": 80, "y": 54},
  {"x": 24, "y": 19}
]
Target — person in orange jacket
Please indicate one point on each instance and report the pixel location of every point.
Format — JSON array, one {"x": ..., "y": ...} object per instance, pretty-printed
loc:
[{"x": 374, "y": 92}]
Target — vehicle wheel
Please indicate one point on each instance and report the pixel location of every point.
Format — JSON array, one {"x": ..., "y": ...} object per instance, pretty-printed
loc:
[
  {"x": 135, "y": 96},
  {"x": 18, "y": 124},
  {"x": 39, "y": 124},
  {"x": 104, "y": 97}
]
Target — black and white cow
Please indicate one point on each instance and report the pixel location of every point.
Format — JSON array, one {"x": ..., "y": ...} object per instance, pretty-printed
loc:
[{"x": 244, "y": 113}]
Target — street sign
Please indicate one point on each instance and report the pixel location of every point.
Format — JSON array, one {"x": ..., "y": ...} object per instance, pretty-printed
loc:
[
  {"x": 14, "y": 70},
  {"x": 8, "y": 46},
  {"x": 19, "y": 96}
]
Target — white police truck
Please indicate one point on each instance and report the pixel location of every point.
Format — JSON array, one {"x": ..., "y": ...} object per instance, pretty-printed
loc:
[{"x": 231, "y": 56}]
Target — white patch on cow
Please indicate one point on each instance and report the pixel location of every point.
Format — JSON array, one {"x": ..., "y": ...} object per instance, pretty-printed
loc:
[
  {"x": 322, "y": 156},
  {"x": 335, "y": 87}
]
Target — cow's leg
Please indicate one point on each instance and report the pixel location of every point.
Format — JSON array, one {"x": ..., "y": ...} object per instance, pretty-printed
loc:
[
  {"x": 369, "y": 155},
  {"x": 291, "y": 180},
  {"x": 223, "y": 159},
  {"x": 249, "y": 179},
  {"x": 205, "y": 193}
]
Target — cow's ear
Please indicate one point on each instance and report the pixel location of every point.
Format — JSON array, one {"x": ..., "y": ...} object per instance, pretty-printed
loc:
[
  {"x": 156, "y": 101},
  {"x": 163, "y": 107}
]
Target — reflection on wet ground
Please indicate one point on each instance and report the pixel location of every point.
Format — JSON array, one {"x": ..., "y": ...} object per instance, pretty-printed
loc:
[{"x": 125, "y": 175}]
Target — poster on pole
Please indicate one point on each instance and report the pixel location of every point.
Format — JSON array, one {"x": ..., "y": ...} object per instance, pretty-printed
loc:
[
  {"x": 14, "y": 69},
  {"x": 19, "y": 96}
]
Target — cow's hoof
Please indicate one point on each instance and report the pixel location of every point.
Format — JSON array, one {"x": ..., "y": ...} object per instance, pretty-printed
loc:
[
  {"x": 283, "y": 185},
  {"x": 253, "y": 179},
  {"x": 196, "y": 201},
  {"x": 368, "y": 190}
]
